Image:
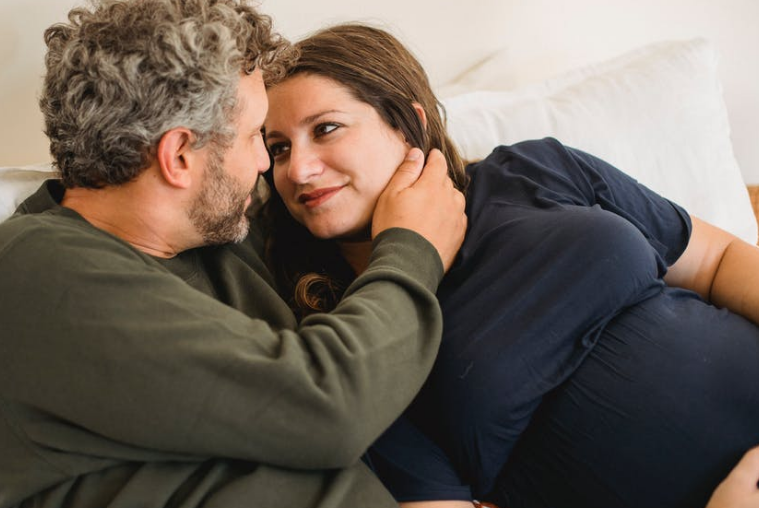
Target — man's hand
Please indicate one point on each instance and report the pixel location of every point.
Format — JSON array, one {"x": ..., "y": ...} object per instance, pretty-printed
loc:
[
  {"x": 428, "y": 204},
  {"x": 739, "y": 489}
]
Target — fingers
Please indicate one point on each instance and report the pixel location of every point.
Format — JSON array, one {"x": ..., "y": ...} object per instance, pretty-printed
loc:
[
  {"x": 436, "y": 166},
  {"x": 751, "y": 460},
  {"x": 739, "y": 489},
  {"x": 748, "y": 469},
  {"x": 414, "y": 171},
  {"x": 427, "y": 203},
  {"x": 435, "y": 170},
  {"x": 408, "y": 172}
]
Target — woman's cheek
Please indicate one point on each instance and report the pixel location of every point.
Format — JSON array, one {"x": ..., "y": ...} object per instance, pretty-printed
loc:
[{"x": 280, "y": 182}]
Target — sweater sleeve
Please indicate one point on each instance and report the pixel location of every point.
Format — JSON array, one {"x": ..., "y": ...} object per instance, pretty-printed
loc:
[{"x": 107, "y": 354}]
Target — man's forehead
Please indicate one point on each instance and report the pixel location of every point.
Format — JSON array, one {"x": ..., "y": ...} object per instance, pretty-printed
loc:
[{"x": 252, "y": 96}]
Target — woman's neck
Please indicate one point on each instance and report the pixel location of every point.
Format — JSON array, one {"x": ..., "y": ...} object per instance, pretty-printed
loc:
[{"x": 356, "y": 253}]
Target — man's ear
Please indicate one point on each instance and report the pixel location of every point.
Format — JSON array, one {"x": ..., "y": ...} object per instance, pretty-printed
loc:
[
  {"x": 176, "y": 157},
  {"x": 420, "y": 111}
]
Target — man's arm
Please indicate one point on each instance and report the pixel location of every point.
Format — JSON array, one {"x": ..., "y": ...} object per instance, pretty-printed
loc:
[{"x": 98, "y": 336}]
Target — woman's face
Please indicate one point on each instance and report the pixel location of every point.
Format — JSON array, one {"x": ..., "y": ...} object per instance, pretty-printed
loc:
[{"x": 333, "y": 155}]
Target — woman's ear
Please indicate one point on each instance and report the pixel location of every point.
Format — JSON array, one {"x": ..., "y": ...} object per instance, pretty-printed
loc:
[
  {"x": 420, "y": 111},
  {"x": 176, "y": 157}
]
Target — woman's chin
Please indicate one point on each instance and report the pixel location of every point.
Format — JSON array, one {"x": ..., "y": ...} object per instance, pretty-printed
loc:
[
  {"x": 324, "y": 232},
  {"x": 342, "y": 233}
]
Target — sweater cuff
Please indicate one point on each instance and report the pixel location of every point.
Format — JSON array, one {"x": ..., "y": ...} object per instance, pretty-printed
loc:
[{"x": 408, "y": 251}]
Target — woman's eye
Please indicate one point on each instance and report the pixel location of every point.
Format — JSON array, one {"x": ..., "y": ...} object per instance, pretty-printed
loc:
[
  {"x": 277, "y": 149},
  {"x": 325, "y": 128}
]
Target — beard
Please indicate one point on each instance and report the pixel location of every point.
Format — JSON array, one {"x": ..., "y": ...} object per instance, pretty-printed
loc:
[{"x": 218, "y": 212}]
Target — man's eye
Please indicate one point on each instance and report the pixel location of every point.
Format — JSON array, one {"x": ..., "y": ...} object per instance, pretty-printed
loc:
[
  {"x": 325, "y": 128},
  {"x": 277, "y": 149}
]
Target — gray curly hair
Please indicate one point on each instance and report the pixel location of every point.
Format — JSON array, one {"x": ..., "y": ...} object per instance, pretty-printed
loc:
[{"x": 123, "y": 72}]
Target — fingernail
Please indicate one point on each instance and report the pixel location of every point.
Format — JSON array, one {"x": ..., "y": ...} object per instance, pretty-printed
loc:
[{"x": 413, "y": 154}]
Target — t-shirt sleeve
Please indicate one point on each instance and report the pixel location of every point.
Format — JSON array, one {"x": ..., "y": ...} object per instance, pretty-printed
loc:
[
  {"x": 665, "y": 224},
  {"x": 569, "y": 174}
]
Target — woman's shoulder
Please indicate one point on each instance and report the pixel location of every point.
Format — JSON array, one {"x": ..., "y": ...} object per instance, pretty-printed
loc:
[
  {"x": 529, "y": 172},
  {"x": 546, "y": 152}
]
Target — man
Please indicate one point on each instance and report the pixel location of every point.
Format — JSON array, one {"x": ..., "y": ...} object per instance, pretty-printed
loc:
[{"x": 145, "y": 360}]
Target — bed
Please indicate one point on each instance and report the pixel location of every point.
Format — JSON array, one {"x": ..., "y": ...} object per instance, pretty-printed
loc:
[{"x": 656, "y": 112}]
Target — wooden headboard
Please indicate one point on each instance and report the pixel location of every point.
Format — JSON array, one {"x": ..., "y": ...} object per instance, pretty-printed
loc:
[{"x": 753, "y": 194}]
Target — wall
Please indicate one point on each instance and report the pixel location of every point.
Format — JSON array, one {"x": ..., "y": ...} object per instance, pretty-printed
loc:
[
  {"x": 22, "y": 53},
  {"x": 542, "y": 36},
  {"x": 595, "y": 29}
]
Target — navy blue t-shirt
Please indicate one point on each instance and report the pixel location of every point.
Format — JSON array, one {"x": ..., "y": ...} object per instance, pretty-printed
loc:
[{"x": 560, "y": 244}]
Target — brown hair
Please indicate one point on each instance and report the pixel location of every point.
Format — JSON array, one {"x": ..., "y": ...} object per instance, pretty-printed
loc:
[{"x": 380, "y": 71}]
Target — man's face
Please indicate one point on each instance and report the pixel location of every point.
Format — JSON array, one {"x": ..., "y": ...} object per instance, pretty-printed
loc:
[{"x": 218, "y": 210}]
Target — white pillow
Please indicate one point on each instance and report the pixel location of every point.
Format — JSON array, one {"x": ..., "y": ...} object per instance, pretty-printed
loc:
[
  {"x": 16, "y": 184},
  {"x": 656, "y": 113}
]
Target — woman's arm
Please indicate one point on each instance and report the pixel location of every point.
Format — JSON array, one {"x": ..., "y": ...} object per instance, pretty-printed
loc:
[{"x": 720, "y": 267}]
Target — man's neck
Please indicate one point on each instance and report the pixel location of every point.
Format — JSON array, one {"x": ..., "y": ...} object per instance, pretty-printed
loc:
[{"x": 124, "y": 212}]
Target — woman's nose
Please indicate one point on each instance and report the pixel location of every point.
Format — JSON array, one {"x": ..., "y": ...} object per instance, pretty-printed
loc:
[{"x": 304, "y": 165}]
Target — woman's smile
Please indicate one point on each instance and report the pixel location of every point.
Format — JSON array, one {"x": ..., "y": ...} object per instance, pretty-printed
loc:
[{"x": 315, "y": 198}]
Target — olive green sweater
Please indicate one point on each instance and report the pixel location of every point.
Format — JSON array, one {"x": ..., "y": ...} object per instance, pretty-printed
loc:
[{"x": 129, "y": 381}]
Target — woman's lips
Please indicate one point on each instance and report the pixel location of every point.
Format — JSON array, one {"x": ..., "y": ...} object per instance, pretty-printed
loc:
[{"x": 319, "y": 196}]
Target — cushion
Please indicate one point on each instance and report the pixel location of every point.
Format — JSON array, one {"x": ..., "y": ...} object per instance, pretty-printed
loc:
[
  {"x": 656, "y": 113},
  {"x": 16, "y": 184}
]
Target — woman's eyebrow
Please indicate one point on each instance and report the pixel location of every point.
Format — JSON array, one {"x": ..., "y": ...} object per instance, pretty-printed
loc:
[
  {"x": 305, "y": 121},
  {"x": 312, "y": 118}
]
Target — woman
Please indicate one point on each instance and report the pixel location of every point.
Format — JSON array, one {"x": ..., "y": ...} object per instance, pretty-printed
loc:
[{"x": 571, "y": 373}]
